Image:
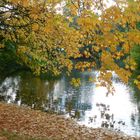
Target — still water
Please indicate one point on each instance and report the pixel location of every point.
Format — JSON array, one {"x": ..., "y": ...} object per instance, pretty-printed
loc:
[{"x": 87, "y": 104}]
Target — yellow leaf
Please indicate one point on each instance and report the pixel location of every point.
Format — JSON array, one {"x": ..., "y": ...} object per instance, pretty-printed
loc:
[
  {"x": 132, "y": 68},
  {"x": 76, "y": 82},
  {"x": 2, "y": 46},
  {"x": 127, "y": 66},
  {"x": 136, "y": 82},
  {"x": 15, "y": 1},
  {"x": 35, "y": 27},
  {"x": 25, "y": 3},
  {"x": 138, "y": 76},
  {"x": 96, "y": 49}
]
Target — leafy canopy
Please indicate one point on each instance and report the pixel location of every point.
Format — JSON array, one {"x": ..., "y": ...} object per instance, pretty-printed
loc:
[{"x": 47, "y": 35}]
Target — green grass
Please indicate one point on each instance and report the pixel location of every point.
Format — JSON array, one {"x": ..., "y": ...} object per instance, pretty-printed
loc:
[{"x": 6, "y": 135}]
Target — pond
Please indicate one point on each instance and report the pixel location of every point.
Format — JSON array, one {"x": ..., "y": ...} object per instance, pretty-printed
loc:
[{"x": 87, "y": 104}]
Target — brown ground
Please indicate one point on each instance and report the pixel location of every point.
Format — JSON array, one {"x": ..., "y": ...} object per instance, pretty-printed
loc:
[{"x": 39, "y": 124}]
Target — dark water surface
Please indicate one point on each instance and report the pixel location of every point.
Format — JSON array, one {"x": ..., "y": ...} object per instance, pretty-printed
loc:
[{"x": 87, "y": 104}]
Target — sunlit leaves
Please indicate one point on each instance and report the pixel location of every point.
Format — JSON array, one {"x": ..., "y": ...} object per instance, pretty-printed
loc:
[
  {"x": 84, "y": 65},
  {"x": 137, "y": 81},
  {"x": 2, "y": 46},
  {"x": 15, "y": 1},
  {"x": 35, "y": 27},
  {"x": 25, "y": 3},
  {"x": 50, "y": 42},
  {"x": 75, "y": 82}
]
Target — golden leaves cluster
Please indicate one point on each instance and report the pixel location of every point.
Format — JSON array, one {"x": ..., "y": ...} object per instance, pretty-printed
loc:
[
  {"x": 45, "y": 40},
  {"x": 76, "y": 82}
]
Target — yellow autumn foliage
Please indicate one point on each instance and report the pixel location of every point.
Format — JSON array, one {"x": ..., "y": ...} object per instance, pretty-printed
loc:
[{"x": 49, "y": 41}]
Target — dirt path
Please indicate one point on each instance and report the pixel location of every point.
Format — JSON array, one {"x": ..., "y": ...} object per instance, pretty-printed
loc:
[{"x": 40, "y": 125}]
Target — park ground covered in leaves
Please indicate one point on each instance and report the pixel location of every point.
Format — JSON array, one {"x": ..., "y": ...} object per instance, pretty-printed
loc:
[{"x": 26, "y": 124}]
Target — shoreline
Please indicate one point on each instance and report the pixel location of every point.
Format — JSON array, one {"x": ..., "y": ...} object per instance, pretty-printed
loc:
[{"x": 38, "y": 124}]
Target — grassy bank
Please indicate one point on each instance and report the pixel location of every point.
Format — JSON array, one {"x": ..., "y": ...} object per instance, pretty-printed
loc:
[{"x": 6, "y": 135}]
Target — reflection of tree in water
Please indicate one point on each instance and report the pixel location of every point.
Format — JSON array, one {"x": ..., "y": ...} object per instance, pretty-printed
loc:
[
  {"x": 33, "y": 91},
  {"x": 75, "y": 108},
  {"x": 72, "y": 107},
  {"x": 8, "y": 89},
  {"x": 135, "y": 116},
  {"x": 40, "y": 94},
  {"x": 106, "y": 118},
  {"x": 77, "y": 101},
  {"x": 27, "y": 89},
  {"x": 61, "y": 97}
]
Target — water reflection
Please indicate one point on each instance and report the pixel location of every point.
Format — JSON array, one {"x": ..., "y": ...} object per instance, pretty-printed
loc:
[{"x": 87, "y": 104}]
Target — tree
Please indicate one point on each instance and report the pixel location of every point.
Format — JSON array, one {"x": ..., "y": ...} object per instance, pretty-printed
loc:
[
  {"x": 40, "y": 38},
  {"x": 46, "y": 41},
  {"x": 110, "y": 39}
]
